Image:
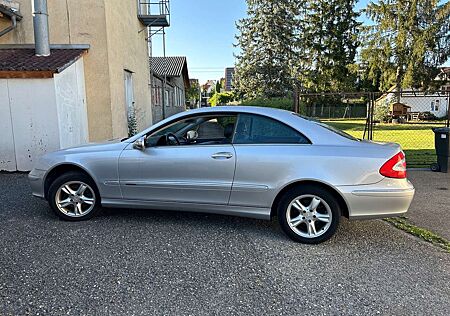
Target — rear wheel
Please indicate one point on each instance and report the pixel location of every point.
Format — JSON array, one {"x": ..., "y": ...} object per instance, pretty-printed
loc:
[
  {"x": 309, "y": 214},
  {"x": 73, "y": 196}
]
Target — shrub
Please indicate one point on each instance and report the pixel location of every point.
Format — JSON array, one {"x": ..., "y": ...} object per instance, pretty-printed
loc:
[
  {"x": 221, "y": 98},
  {"x": 279, "y": 103}
]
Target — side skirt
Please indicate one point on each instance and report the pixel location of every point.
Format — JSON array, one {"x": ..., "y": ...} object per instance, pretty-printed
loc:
[{"x": 234, "y": 210}]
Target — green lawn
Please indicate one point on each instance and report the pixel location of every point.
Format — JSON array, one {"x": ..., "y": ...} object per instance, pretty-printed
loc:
[{"x": 417, "y": 140}]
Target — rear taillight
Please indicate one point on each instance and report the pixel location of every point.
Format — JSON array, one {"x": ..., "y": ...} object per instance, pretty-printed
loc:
[{"x": 395, "y": 167}]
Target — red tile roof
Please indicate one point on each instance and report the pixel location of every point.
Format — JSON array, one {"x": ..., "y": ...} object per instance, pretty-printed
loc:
[{"x": 17, "y": 60}]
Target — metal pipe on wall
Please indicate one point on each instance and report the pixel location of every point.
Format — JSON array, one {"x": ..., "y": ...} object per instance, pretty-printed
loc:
[{"x": 40, "y": 24}]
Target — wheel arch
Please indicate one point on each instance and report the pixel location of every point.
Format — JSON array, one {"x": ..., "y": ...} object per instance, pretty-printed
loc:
[
  {"x": 342, "y": 202},
  {"x": 60, "y": 169}
]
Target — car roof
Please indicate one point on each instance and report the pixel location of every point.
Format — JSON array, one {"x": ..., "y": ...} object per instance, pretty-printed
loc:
[{"x": 316, "y": 133}]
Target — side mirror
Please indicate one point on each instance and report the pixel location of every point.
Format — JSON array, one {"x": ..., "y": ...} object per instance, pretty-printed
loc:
[
  {"x": 139, "y": 143},
  {"x": 191, "y": 136}
]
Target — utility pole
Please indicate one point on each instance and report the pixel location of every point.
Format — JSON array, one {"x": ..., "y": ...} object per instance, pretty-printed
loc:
[{"x": 165, "y": 76}]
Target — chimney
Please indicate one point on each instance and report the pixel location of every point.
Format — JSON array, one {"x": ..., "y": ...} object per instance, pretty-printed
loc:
[{"x": 40, "y": 24}]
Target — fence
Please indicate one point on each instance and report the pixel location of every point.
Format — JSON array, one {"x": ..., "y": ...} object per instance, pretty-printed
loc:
[{"x": 406, "y": 118}]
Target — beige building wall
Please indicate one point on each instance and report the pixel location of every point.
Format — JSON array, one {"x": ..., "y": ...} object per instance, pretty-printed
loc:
[{"x": 117, "y": 42}]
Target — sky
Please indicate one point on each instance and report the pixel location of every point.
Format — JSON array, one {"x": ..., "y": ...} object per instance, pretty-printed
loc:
[{"x": 204, "y": 31}]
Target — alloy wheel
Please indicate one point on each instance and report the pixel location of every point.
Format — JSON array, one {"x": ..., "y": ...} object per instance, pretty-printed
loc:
[
  {"x": 309, "y": 216},
  {"x": 75, "y": 198}
]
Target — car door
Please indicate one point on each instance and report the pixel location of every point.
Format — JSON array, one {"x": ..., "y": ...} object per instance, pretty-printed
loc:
[
  {"x": 199, "y": 171},
  {"x": 268, "y": 152}
]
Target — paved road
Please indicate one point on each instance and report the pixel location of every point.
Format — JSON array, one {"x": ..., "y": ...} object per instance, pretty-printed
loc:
[
  {"x": 161, "y": 263},
  {"x": 431, "y": 206}
]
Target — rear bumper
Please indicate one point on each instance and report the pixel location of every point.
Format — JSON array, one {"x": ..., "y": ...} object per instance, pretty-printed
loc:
[
  {"x": 36, "y": 179},
  {"x": 387, "y": 198}
]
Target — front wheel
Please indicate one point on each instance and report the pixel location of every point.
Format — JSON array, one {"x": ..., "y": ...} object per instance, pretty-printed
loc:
[
  {"x": 309, "y": 214},
  {"x": 73, "y": 196}
]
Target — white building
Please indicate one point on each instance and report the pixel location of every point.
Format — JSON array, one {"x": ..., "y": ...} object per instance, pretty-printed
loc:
[{"x": 42, "y": 104}]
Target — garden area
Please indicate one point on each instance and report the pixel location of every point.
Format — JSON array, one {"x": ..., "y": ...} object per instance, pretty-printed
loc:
[{"x": 416, "y": 139}]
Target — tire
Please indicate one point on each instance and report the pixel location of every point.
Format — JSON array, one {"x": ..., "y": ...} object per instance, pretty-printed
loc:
[
  {"x": 435, "y": 167},
  {"x": 306, "y": 222},
  {"x": 67, "y": 192}
]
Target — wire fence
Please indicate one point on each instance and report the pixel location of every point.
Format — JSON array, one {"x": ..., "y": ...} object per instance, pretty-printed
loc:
[{"x": 406, "y": 118}]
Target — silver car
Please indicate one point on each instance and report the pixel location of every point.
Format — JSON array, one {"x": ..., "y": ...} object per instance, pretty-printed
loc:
[{"x": 245, "y": 161}]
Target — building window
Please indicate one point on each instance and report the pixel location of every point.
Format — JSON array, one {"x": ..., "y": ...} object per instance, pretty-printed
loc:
[{"x": 435, "y": 106}]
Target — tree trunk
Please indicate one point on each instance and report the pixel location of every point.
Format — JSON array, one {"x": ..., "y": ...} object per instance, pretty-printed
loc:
[
  {"x": 398, "y": 83},
  {"x": 296, "y": 99}
]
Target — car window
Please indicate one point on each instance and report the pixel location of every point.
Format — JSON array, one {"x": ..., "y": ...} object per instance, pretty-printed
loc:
[
  {"x": 329, "y": 127},
  {"x": 256, "y": 129},
  {"x": 210, "y": 130}
]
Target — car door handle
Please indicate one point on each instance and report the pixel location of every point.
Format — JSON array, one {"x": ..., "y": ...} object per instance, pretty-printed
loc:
[{"x": 222, "y": 155}]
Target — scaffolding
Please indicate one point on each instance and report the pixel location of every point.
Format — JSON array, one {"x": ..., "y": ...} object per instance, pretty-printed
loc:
[
  {"x": 9, "y": 9},
  {"x": 155, "y": 15}
]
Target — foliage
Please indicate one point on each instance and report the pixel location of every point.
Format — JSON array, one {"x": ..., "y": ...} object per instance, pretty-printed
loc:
[
  {"x": 193, "y": 93},
  {"x": 328, "y": 40},
  {"x": 220, "y": 98},
  {"x": 266, "y": 41},
  {"x": 132, "y": 122},
  {"x": 279, "y": 103},
  {"x": 293, "y": 45},
  {"x": 407, "y": 42},
  {"x": 381, "y": 111}
]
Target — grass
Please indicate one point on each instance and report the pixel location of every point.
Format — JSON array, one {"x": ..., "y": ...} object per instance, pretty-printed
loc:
[
  {"x": 422, "y": 233},
  {"x": 416, "y": 139}
]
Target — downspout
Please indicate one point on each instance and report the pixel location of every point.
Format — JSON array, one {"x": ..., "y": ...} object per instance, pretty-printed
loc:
[
  {"x": 10, "y": 28},
  {"x": 40, "y": 24}
]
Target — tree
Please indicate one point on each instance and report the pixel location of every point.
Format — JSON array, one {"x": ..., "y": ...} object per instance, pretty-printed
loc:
[
  {"x": 263, "y": 67},
  {"x": 407, "y": 42},
  {"x": 193, "y": 93},
  {"x": 328, "y": 40}
]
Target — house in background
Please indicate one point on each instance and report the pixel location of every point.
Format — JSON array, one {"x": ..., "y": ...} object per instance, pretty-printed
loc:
[
  {"x": 418, "y": 102},
  {"x": 116, "y": 72},
  {"x": 415, "y": 102},
  {"x": 177, "y": 82}
]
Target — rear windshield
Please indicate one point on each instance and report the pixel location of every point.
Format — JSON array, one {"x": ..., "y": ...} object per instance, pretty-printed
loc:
[{"x": 328, "y": 127}]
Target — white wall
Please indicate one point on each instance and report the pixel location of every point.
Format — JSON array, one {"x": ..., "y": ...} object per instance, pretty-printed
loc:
[
  {"x": 41, "y": 115},
  {"x": 423, "y": 104},
  {"x": 71, "y": 106},
  {"x": 33, "y": 113},
  {"x": 7, "y": 152}
]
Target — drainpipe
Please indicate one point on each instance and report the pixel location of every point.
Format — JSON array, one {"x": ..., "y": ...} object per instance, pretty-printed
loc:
[
  {"x": 10, "y": 28},
  {"x": 40, "y": 24}
]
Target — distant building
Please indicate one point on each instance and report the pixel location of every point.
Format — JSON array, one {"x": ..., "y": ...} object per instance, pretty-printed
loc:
[
  {"x": 177, "y": 83},
  {"x": 417, "y": 102},
  {"x": 229, "y": 75}
]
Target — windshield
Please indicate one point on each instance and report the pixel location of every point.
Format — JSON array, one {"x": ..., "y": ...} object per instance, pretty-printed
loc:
[{"x": 328, "y": 127}]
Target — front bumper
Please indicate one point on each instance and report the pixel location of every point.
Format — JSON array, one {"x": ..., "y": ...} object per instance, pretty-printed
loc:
[
  {"x": 387, "y": 198},
  {"x": 36, "y": 179}
]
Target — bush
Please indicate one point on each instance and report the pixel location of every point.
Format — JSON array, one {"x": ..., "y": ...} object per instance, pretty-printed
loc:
[
  {"x": 381, "y": 112},
  {"x": 279, "y": 103},
  {"x": 221, "y": 98}
]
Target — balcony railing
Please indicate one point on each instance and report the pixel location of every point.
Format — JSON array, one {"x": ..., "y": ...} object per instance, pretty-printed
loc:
[{"x": 154, "y": 13}]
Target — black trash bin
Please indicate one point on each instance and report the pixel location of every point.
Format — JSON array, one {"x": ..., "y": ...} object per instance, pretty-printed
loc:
[{"x": 441, "y": 142}]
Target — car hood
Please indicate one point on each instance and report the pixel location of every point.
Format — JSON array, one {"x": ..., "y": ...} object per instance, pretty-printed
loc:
[{"x": 94, "y": 146}]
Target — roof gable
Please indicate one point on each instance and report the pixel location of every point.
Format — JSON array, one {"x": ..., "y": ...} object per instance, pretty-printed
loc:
[
  {"x": 23, "y": 63},
  {"x": 174, "y": 66}
]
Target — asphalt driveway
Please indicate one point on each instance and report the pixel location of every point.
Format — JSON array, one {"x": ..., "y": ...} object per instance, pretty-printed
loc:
[{"x": 127, "y": 262}]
